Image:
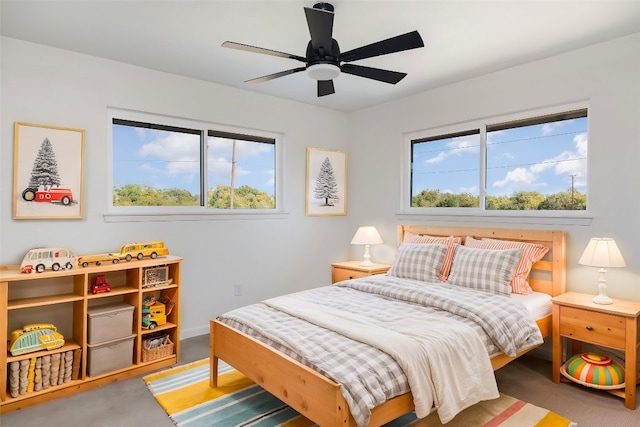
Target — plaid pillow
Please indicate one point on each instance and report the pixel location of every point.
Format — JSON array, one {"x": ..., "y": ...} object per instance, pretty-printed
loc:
[
  {"x": 484, "y": 269},
  {"x": 418, "y": 261},
  {"x": 451, "y": 242},
  {"x": 531, "y": 253}
]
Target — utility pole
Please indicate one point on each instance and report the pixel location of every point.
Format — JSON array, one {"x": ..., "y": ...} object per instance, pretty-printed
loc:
[
  {"x": 572, "y": 186},
  {"x": 233, "y": 175}
]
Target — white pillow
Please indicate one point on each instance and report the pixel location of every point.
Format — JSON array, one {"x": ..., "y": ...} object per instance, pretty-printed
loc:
[
  {"x": 419, "y": 261},
  {"x": 484, "y": 269}
]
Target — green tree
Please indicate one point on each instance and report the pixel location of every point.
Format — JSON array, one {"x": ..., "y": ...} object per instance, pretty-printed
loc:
[
  {"x": 245, "y": 197},
  {"x": 426, "y": 199},
  {"x": 565, "y": 201},
  {"x": 146, "y": 195}
]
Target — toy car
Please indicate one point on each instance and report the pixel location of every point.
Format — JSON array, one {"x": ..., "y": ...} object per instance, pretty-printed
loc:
[
  {"x": 98, "y": 259},
  {"x": 40, "y": 259},
  {"x": 100, "y": 285},
  {"x": 53, "y": 195}
]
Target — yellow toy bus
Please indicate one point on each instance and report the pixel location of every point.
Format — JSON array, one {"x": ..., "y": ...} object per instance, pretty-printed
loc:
[{"x": 141, "y": 250}]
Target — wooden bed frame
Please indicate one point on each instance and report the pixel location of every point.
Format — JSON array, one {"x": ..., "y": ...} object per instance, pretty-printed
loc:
[{"x": 319, "y": 398}]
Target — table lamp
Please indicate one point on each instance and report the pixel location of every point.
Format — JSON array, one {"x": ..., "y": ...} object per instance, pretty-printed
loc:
[
  {"x": 367, "y": 235},
  {"x": 602, "y": 252}
]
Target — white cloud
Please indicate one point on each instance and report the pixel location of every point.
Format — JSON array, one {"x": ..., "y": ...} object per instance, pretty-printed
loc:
[
  {"x": 178, "y": 153},
  {"x": 566, "y": 163},
  {"x": 517, "y": 177},
  {"x": 457, "y": 146}
]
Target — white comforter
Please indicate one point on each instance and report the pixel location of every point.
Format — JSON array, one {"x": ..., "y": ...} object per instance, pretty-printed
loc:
[
  {"x": 388, "y": 306},
  {"x": 433, "y": 357}
]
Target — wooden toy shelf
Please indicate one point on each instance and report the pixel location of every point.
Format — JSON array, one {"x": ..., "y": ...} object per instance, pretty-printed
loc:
[{"x": 63, "y": 298}]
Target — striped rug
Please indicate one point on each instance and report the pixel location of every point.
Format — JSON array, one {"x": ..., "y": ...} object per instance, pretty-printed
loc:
[{"x": 184, "y": 393}]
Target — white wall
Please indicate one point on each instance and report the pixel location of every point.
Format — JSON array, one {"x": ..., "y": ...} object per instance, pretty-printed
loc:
[
  {"x": 49, "y": 86},
  {"x": 606, "y": 75},
  {"x": 269, "y": 257}
]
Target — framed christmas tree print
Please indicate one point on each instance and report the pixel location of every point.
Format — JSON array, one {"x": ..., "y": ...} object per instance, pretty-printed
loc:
[
  {"x": 47, "y": 172},
  {"x": 326, "y": 182}
]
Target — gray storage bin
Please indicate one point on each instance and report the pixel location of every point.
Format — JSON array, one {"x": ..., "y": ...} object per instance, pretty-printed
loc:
[
  {"x": 110, "y": 356},
  {"x": 109, "y": 322}
]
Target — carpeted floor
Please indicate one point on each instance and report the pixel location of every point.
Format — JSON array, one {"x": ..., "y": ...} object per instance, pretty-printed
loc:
[{"x": 184, "y": 393}]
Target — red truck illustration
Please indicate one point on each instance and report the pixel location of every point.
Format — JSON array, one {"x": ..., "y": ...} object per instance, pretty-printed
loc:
[{"x": 53, "y": 195}]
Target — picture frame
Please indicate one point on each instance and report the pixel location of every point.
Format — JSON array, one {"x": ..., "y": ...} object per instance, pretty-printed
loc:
[
  {"x": 326, "y": 182},
  {"x": 155, "y": 276},
  {"x": 48, "y": 175}
]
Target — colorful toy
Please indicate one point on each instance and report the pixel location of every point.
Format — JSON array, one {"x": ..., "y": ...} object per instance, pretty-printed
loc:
[
  {"x": 38, "y": 336},
  {"x": 153, "y": 313},
  {"x": 127, "y": 252},
  {"x": 141, "y": 250},
  {"x": 98, "y": 259},
  {"x": 40, "y": 259},
  {"x": 100, "y": 285}
]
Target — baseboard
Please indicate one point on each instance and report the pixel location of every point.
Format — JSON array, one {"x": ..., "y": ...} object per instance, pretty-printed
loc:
[{"x": 194, "y": 332}]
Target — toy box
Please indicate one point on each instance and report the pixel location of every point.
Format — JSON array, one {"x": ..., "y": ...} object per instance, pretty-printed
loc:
[
  {"x": 108, "y": 322},
  {"x": 110, "y": 356}
]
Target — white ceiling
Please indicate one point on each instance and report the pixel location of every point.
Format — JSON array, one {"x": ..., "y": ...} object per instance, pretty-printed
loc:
[{"x": 463, "y": 39}]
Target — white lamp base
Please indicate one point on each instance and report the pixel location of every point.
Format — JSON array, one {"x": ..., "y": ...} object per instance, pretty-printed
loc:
[
  {"x": 367, "y": 258},
  {"x": 602, "y": 297}
]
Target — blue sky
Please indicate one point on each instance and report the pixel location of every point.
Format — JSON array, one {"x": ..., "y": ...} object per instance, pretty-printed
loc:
[
  {"x": 533, "y": 158},
  {"x": 165, "y": 159}
]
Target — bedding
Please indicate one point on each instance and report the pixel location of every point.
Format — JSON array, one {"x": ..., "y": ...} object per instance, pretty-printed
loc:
[
  {"x": 452, "y": 243},
  {"x": 370, "y": 375},
  {"x": 538, "y": 304},
  {"x": 531, "y": 253},
  {"x": 418, "y": 262},
  {"x": 484, "y": 270}
]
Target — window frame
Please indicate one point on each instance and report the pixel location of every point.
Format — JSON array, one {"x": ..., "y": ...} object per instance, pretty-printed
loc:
[
  {"x": 202, "y": 212},
  {"x": 480, "y": 214}
]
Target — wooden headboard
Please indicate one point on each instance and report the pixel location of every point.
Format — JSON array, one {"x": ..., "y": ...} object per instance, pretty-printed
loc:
[{"x": 547, "y": 275}]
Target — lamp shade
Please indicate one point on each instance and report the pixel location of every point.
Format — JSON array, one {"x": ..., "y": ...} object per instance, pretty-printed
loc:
[
  {"x": 367, "y": 235},
  {"x": 602, "y": 252}
]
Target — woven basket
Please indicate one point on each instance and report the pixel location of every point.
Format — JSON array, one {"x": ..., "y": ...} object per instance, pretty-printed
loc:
[{"x": 149, "y": 354}]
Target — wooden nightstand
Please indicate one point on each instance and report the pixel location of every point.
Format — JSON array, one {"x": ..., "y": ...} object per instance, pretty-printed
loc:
[
  {"x": 616, "y": 326},
  {"x": 352, "y": 270}
]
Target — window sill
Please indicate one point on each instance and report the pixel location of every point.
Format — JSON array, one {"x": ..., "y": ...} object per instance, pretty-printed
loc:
[
  {"x": 511, "y": 217},
  {"x": 191, "y": 216}
]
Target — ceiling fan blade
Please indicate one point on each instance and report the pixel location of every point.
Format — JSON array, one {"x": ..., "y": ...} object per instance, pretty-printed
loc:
[
  {"x": 320, "y": 24},
  {"x": 386, "y": 76},
  {"x": 399, "y": 43},
  {"x": 325, "y": 87},
  {"x": 248, "y": 48},
  {"x": 275, "y": 75}
]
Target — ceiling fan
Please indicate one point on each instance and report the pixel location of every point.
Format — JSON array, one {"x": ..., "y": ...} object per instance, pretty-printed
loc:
[{"x": 324, "y": 61}]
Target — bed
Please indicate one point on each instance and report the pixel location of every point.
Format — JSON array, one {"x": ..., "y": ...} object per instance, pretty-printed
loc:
[{"x": 319, "y": 398}]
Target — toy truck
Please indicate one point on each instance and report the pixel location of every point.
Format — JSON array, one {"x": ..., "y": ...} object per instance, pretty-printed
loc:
[{"x": 153, "y": 315}]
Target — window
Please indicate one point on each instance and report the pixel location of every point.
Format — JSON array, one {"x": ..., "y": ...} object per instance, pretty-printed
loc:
[
  {"x": 190, "y": 166},
  {"x": 530, "y": 164}
]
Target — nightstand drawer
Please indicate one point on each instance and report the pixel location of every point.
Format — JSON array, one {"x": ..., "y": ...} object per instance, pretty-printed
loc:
[
  {"x": 593, "y": 327},
  {"x": 340, "y": 274}
]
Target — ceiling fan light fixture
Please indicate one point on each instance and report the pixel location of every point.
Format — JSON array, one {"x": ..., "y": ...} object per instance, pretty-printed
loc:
[{"x": 323, "y": 71}]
